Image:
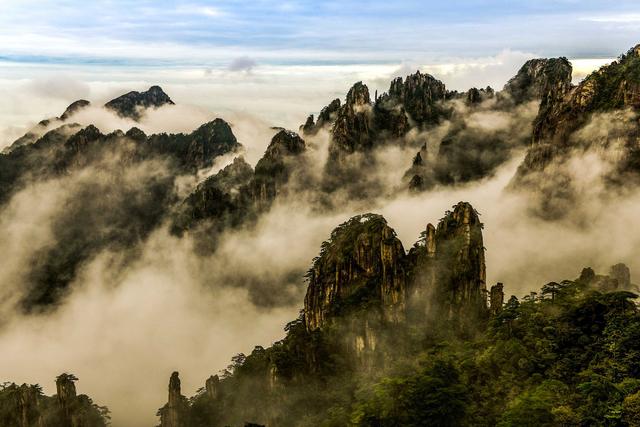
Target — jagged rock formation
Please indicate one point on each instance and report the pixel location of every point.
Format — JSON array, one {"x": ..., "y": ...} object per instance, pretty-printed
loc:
[
  {"x": 326, "y": 118},
  {"x": 365, "y": 293},
  {"x": 132, "y": 104},
  {"x": 26, "y": 406},
  {"x": 469, "y": 152},
  {"x": 450, "y": 271},
  {"x": 496, "y": 298},
  {"x": 363, "y": 260},
  {"x": 543, "y": 79},
  {"x": 175, "y": 412},
  {"x": 136, "y": 185},
  {"x": 351, "y": 131},
  {"x": 613, "y": 90},
  {"x": 55, "y": 124},
  {"x": 618, "y": 279},
  {"x": 419, "y": 95},
  {"x": 237, "y": 193}
]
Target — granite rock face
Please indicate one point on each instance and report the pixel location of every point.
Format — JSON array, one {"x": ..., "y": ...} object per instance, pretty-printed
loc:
[
  {"x": 133, "y": 104},
  {"x": 238, "y": 193},
  {"x": 351, "y": 130},
  {"x": 365, "y": 261},
  {"x": 419, "y": 95},
  {"x": 496, "y": 298},
  {"x": 175, "y": 412},
  {"x": 544, "y": 79},
  {"x": 449, "y": 269},
  {"x": 325, "y": 119},
  {"x": 599, "y": 116}
]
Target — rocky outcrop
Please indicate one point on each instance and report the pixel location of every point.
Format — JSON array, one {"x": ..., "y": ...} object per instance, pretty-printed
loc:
[
  {"x": 543, "y": 79},
  {"x": 449, "y": 269},
  {"x": 351, "y": 131},
  {"x": 136, "y": 185},
  {"x": 419, "y": 95},
  {"x": 55, "y": 124},
  {"x": 496, "y": 299},
  {"x": 618, "y": 279},
  {"x": 133, "y": 104},
  {"x": 66, "y": 392},
  {"x": 273, "y": 170},
  {"x": 212, "y": 387},
  {"x": 473, "y": 148},
  {"x": 74, "y": 108},
  {"x": 608, "y": 100},
  {"x": 326, "y": 118},
  {"x": 175, "y": 412},
  {"x": 363, "y": 262},
  {"x": 237, "y": 193},
  {"x": 26, "y": 406}
]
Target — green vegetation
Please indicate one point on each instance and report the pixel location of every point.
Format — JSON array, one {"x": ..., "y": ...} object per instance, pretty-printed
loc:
[
  {"x": 27, "y": 406},
  {"x": 569, "y": 356}
]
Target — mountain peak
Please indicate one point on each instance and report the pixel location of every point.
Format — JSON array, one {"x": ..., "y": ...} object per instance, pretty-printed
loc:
[
  {"x": 130, "y": 104},
  {"x": 74, "y": 108}
]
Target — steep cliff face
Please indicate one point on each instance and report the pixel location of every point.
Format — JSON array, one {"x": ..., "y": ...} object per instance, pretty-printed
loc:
[
  {"x": 449, "y": 272},
  {"x": 274, "y": 168},
  {"x": 237, "y": 193},
  {"x": 475, "y": 144},
  {"x": 419, "y": 95},
  {"x": 351, "y": 130},
  {"x": 461, "y": 271},
  {"x": 362, "y": 263},
  {"x": 365, "y": 263},
  {"x": 544, "y": 79},
  {"x": 175, "y": 412},
  {"x": 326, "y": 118},
  {"x": 558, "y": 129},
  {"x": 366, "y": 301},
  {"x": 133, "y": 104}
]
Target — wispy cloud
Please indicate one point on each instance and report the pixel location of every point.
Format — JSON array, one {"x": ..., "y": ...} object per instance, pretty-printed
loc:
[{"x": 624, "y": 18}]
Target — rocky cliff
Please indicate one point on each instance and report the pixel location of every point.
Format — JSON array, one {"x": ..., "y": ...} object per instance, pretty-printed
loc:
[
  {"x": 598, "y": 116},
  {"x": 364, "y": 298},
  {"x": 540, "y": 79},
  {"x": 238, "y": 193},
  {"x": 475, "y": 145},
  {"x": 175, "y": 412},
  {"x": 364, "y": 263}
]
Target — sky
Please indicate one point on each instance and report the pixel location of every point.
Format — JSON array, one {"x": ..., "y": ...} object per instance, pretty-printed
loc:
[{"x": 309, "y": 32}]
